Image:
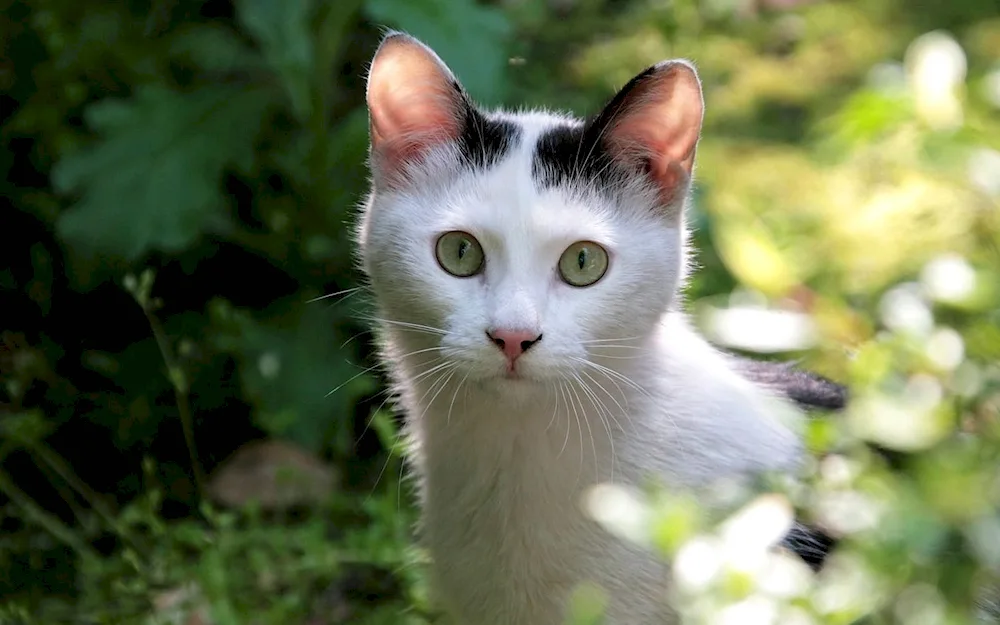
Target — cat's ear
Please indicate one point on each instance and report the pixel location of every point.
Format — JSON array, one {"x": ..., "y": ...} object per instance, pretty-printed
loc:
[
  {"x": 654, "y": 123},
  {"x": 414, "y": 102}
]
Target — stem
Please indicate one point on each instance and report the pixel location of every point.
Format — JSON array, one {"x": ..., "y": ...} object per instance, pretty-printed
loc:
[
  {"x": 179, "y": 382},
  {"x": 140, "y": 289},
  {"x": 43, "y": 518},
  {"x": 61, "y": 468}
]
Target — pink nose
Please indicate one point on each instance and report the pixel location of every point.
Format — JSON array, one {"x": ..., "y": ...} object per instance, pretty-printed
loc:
[{"x": 513, "y": 343}]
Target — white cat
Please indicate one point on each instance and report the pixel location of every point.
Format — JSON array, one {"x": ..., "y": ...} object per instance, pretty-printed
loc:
[{"x": 526, "y": 269}]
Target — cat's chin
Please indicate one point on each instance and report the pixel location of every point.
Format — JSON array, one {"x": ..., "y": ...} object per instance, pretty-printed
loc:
[
  {"x": 516, "y": 378},
  {"x": 505, "y": 381}
]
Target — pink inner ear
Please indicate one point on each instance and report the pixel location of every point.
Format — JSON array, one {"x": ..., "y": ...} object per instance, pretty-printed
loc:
[
  {"x": 659, "y": 124},
  {"x": 412, "y": 101}
]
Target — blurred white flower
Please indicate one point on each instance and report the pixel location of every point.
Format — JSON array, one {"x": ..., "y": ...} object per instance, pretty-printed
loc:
[
  {"x": 984, "y": 167},
  {"x": 619, "y": 510},
  {"x": 991, "y": 87},
  {"x": 755, "y": 610},
  {"x": 920, "y": 604},
  {"x": 784, "y": 576},
  {"x": 949, "y": 277},
  {"x": 748, "y": 535},
  {"x": 845, "y": 585},
  {"x": 936, "y": 66},
  {"x": 697, "y": 563},
  {"x": 838, "y": 470},
  {"x": 923, "y": 392},
  {"x": 269, "y": 365},
  {"x": 908, "y": 420},
  {"x": 967, "y": 380},
  {"x": 847, "y": 512},
  {"x": 797, "y": 616},
  {"x": 945, "y": 348},
  {"x": 760, "y": 330},
  {"x": 904, "y": 310}
]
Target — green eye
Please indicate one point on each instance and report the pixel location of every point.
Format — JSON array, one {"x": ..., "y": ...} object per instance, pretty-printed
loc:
[
  {"x": 460, "y": 254},
  {"x": 583, "y": 263}
]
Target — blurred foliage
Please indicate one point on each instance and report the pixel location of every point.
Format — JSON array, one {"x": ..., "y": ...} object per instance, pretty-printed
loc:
[{"x": 181, "y": 178}]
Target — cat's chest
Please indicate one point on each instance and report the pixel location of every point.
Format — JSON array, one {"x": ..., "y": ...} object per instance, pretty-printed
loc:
[
  {"x": 507, "y": 527},
  {"x": 511, "y": 498}
]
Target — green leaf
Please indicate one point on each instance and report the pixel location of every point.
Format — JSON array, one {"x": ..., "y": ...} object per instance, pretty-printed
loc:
[
  {"x": 154, "y": 180},
  {"x": 282, "y": 29},
  {"x": 289, "y": 366},
  {"x": 471, "y": 38},
  {"x": 215, "y": 49},
  {"x": 25, "y": 429}
]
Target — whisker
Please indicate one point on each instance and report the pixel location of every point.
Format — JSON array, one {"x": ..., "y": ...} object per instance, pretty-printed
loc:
[
  {"x": 354, "y": 377},
  {"x": 602, "y": 410},
  {"x": 452, "y": 404},
  {"x": 579, "y": 425},
  {"x": 379, "y": 364},
  {"x": 417, "y": 327},
  {"x": 385, "y": 465},
  {"x": 353, "y": 337},
  {"x": 623, "y": 411},
  {"x": 562, "y": 391},
  {"x": 620, "y": 391},
  {"x": 443, "y": 379},
  {"x": 626, "y": 338},
  {"x": 612, "y": 373},
  {"x": 439, "y": 368},
  {"x": 347, "y": 292},
  {"x": 368, "y": 422},
  {"x": 555, "y": 409}
]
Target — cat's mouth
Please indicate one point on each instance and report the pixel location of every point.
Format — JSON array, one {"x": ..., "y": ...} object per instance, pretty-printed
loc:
[{"x": 512, "y": 374}]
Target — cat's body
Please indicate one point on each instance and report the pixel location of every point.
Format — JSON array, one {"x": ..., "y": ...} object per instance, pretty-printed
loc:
[
  {"x": 503, "y": 480},
  {"x": 595, "y": 379}
]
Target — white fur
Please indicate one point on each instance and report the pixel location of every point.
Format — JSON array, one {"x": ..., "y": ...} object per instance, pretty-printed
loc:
[{"x": 502, "y": 464}]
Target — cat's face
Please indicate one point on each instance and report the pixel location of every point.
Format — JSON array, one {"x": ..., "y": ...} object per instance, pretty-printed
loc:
[{"x": 522, "y": 246}]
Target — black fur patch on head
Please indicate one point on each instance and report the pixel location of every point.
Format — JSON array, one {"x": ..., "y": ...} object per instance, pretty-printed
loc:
[
  {"x": 485, "y": 140},
  {"x": 575, "y": 154},
  {"x": 572, "y": 155}
]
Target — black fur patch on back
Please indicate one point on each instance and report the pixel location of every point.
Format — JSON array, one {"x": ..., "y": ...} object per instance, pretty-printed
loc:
[
  {"x": 485, "y": 140},
  {"x": 810, "y": 544},
  {"x": 808, "y": 390}
]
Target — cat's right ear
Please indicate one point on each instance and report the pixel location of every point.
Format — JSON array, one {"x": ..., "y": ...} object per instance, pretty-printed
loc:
[
  {"x": 653, "y": 125},
  {"x": 414, "y": 103}
]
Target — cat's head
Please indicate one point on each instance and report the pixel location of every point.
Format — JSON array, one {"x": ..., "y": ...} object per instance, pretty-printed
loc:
[{"x": 517, "y": 244}]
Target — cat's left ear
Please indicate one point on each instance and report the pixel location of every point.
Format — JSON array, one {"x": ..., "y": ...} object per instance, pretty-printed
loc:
[{"x": 654, "y": 123}]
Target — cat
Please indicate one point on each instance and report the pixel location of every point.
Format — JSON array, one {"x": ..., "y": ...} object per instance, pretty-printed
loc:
[{"x": 527, "y": 270}]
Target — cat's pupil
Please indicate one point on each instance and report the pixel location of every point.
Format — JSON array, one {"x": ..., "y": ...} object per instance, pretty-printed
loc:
[
  {"x": 463, "y": 247},
  {"x": 581, "y": 258}
]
